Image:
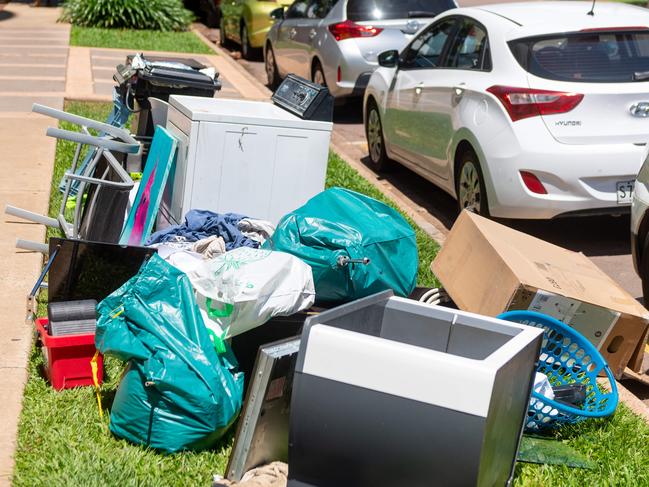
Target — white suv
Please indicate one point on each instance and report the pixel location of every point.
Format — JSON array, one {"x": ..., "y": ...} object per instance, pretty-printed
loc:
[{"x": 528, "y": 110}]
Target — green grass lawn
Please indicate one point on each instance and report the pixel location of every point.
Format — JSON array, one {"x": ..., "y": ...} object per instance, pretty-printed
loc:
[
  {"x": 138, "y": 40},
  {"x": 63, "y": 441}
]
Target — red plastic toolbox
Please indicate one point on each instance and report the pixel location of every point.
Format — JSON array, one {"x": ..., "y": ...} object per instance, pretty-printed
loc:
[{"x": 67, "y": 358}]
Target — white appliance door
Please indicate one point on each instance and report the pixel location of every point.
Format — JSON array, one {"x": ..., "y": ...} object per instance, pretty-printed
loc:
[
  {"x": 233, "y": 172},
  {"x": 258, "y": 171}
]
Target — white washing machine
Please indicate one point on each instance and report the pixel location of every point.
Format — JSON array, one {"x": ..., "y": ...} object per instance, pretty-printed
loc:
[{"x": 248, "y": 157}]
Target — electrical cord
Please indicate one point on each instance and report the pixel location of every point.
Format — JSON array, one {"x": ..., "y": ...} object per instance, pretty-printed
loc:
[{"x": 435, "y": 296}]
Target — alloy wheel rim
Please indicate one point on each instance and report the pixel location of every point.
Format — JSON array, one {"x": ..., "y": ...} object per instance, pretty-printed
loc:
[
  {"x": 470, "y": 196},
  {"x": 374, "y": 135},
  {"x": 270, "y": 65}
]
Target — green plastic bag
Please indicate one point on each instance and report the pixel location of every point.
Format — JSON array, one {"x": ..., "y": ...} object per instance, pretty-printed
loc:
[
  {"x": 338, "y": 229},
  {"x": 177, "y": 392}
]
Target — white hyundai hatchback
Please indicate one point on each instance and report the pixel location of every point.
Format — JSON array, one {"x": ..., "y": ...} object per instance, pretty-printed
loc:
[{"x": 520, "y": 110}]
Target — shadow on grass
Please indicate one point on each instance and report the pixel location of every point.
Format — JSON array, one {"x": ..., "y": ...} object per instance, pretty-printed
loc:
[{"x": 107, "y": 398}]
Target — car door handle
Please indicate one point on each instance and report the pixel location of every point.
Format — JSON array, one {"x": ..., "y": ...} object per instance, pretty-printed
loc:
[
  {"x": 312, "y": 33},
  {"x": 419, "y": 88},
  {"x": 292, "y": 33}
]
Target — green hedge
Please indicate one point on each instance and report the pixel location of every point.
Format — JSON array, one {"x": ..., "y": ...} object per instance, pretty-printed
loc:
[{"x": 164, "y": 15}]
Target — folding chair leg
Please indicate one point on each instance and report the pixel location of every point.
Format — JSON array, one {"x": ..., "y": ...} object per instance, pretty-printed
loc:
[
  {"x": 32, "y": 246},
  {"x": 31, "y": 216}
]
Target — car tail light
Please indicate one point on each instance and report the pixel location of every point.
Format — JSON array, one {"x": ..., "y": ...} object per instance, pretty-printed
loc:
[
  {"x": 533, "y": 183},
  {"x": 348, "y": 30},
  {"x": 340, "y": 74},
  {"x": 523, "y": 103}
]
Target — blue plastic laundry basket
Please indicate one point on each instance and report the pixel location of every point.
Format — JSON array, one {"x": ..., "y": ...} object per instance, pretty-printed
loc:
[{"x": 567, "y": 357}]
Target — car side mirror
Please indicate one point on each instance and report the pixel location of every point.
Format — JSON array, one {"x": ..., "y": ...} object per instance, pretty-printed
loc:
[
  {"x": 277, "y": 14},
  {"x": 389, "y": 59}
]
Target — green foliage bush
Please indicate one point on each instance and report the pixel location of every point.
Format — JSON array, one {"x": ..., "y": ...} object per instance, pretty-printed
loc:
[{"x": 163, "y": 15}]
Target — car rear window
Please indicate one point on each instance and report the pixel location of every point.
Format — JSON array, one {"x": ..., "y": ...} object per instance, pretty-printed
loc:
[
  {"x": 361, "y": 10},
  {"x": 589, "y": 57}
]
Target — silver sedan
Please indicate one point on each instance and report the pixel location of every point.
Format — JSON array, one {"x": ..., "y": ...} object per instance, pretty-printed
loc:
[{"x": 336, "y": 42}]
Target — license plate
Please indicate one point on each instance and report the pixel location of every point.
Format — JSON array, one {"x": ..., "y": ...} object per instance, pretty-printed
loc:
[{"x": 624, "y": 192}]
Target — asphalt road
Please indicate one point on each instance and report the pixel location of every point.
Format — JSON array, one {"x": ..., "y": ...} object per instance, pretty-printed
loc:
[{"x": 604, "y": 239}]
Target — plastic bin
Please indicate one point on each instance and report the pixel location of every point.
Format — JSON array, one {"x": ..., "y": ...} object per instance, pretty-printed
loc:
[
  {"x": 160, "y": 79},
  {"x": 393, "y": 391},
  {"x": 67, "y": 358}
]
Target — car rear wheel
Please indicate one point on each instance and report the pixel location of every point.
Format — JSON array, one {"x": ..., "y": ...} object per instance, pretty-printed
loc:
[
  {"x": 271, "y": 68},
  {"x": 375, "y": 140},
  {"x": 223, "y": 40},
  {"x": 247, "y": 51},
  {"x": 643, "y": 271},
  {"x": 469, "y": 185},
  {"x": 317, "y": 74}
]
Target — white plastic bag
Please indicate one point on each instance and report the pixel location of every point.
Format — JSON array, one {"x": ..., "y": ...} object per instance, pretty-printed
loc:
[{"x": 244, "y": 288}]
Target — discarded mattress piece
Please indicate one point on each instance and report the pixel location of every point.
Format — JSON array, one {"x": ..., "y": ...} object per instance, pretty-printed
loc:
[
  {"x": 200, "y": 224},
  {"x": 177, "y": 392},
  {"x": 244, "y": 288},
  {"x": 391, "y": 388},
  {"x": 355, "y": 245}
]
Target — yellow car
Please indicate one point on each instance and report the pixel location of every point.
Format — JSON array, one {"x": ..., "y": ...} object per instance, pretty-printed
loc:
[{"x": 247, "y": 22}]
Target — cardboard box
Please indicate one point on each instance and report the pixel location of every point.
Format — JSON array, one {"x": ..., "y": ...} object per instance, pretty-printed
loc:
[{"x": 489, "y": 268}]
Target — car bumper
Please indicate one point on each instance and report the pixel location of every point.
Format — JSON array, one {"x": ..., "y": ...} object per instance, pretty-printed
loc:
[
  {"x": 355, "y": 69},
  {"x": 579, "y": 179}
]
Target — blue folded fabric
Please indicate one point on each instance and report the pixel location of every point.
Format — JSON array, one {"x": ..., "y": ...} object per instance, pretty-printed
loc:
[{"x": 200, "y": 224}]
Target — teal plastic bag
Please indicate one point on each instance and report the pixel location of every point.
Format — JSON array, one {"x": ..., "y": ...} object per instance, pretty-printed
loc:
[
  {"x": 355, "y": 245},
  {"x": 177, "y": 392}
]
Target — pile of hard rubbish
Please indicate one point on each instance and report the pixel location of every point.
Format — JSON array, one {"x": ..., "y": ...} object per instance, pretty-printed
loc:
[{"x": 205, "y": 253}]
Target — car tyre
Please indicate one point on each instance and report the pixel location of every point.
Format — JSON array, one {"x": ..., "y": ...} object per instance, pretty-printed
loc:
[
  {"x": 470, "y": 188},
  {"x": 317, "y": 74},
  {"x": 247, "y": 51},
  {"x": 643, "y": 270},
  {"x": 375, "y": 140},
  {"x": 223, "y": 40},
  {"x": 271, "y": 68}
]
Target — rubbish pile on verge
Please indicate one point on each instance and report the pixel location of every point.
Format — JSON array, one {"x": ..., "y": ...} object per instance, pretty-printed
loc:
[{"x": 205, "y": 253}]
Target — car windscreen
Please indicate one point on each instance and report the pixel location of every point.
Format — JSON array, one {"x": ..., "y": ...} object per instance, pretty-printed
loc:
[
  {"x": 362, "y": 10},
  {"x": 612, "y": 56}
]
